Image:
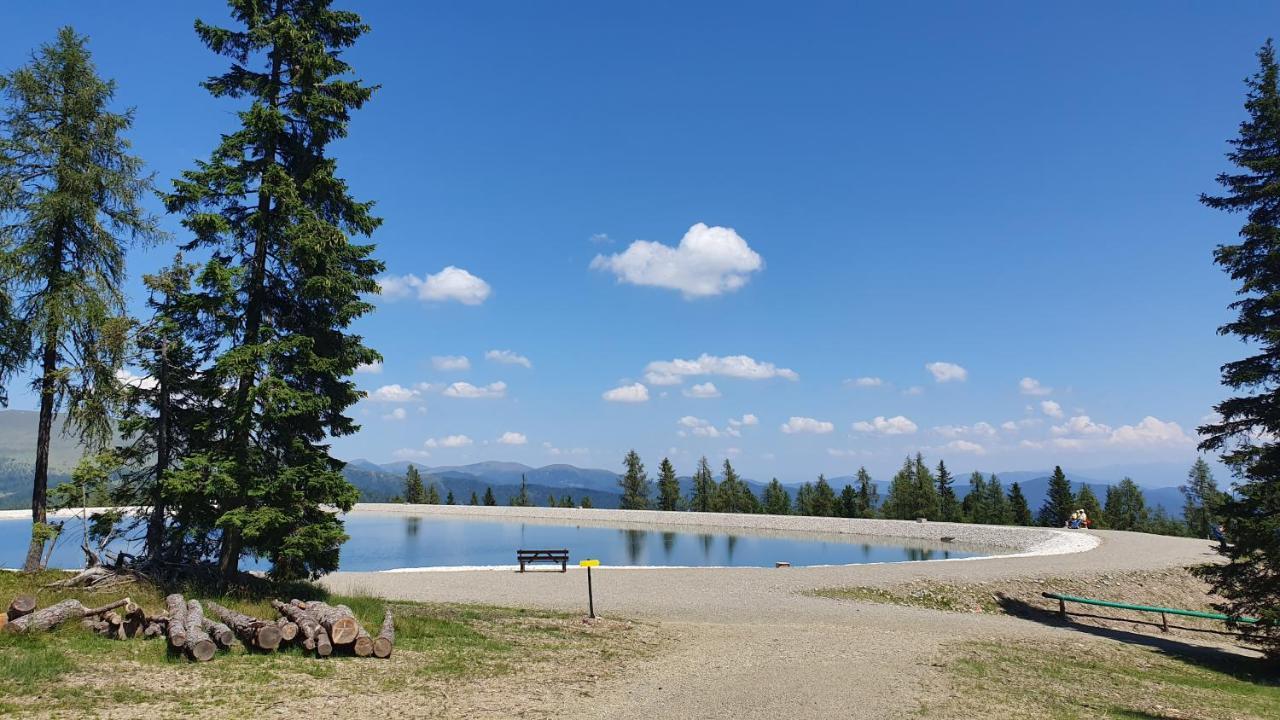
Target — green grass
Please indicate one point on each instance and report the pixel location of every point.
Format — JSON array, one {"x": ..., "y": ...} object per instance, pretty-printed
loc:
[
  {"x": 1103, "y": 680},
  {"x": 439, "y": 647},
  {"x": 939, "y": 597}
]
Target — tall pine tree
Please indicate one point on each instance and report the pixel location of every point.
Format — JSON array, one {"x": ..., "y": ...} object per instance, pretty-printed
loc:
[
  {"x": 1249, "y": 427},
  {"x": 703, "y": 494},
  {"x": 1019, "y": 510},
  {"x": 1087, "y": 500},
  {"x": 70, "y": 201},
  {"x": 777, "y": 501},
  {"x": 1058, "y": 504},
  {"x": 868, "y": 495},
  {"x": 668, "y": 486},
  {"x": 634, "y": 483},
  {"x": 270, "y": 209},
  {"x": 414, "y": 493},
  {"x": 1202, "y": 500},
  {"x": 948, "y": 506},
  {"x": 1126, "y": 507}
]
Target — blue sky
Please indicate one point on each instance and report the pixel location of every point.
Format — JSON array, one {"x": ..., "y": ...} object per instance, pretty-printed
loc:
[{"x": 996, "y": 191}]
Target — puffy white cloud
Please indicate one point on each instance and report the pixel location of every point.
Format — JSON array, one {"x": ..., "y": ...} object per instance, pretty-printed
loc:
[
  {"x": 797, "y": 424},
  {"x": 1009, "y": 426},
  {"x": 451, "y": 362},
  {"x": 373, "y": 368},
  {"x": 1032, "y": 386},
  {"x": 396, "y": 414},
  {"x": 448, "y": 441},
  {"x": 747, "y": 419},
  {"x": 708, "y": 261},
  {"x": 966, "y": 446},
  {"x": 947, "y": 372},
  {"x": 1081, "y": 426},
  {"x": 451, "y": 283},
  {"x": 1150, "y": 432},
  {"x": 394, "y": 393},
  {"x": 703, "y": 390},
  {"x": 1051, "y": 408},
  {"x": 896, "y": 425},
  {"x": 697, "y": 426},
  {"x": 124, "y": 377},
  {"x": 673, "y": 372},
  {"x": 467, "y": 390},
  {"x": 507, "y": 358},
  {"x": 982, "y": 429},
  {"x": 633, "y": 393},
  {"x": 864, "y": 382},
  {"x": 513, "y": 438}
]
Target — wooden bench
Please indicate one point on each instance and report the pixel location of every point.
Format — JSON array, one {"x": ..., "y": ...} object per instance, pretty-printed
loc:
[{"x": 530, "y": 557}]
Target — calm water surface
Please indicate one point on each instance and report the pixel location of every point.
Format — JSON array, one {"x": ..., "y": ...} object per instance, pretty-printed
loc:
[{"x": 385, "y": 542}]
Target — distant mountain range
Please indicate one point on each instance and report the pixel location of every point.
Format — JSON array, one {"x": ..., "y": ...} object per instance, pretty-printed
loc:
[{"x": 381, "y": 482}]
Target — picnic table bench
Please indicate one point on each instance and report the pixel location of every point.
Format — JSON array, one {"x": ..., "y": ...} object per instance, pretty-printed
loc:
[{"x": 530, "y": 557}]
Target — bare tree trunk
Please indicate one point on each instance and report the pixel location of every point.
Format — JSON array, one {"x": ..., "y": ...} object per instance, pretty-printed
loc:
[
  {"x": 40, "y": 483},
  {"x": 155, "y": 524},
  {"x": 55, "y": 614}
]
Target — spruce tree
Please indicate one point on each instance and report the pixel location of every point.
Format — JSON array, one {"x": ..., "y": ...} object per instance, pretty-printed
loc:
[
  {"x": 1247, "y": 432},
  {"x": 1019, "y": 510},
  {"x": 668, "y": 486},
  {"x": 586, "y": 502},
  {"x": 848, "y": 502},
  {"x": 997, "y": 507},
  {"x": 270, "y": 209},
  {"x": 1202, "y": 500},
  {"x": 634, "y": 483},
  {"x": 868, "y": 495},
  {"x": 433, "y": 495},
  {"x": 926, "y": 491},
  {"x": 414, "y": 493},
  {"x": 804, "y": 500},
  {"x": 1088, "y": 501},
  {"x": 475, "y": 500},
  {"x": 489, "y": 499},
  {"x": 449, "y": 499},
  {"x": 522, "y": 499},
  {"x": 901, "y": 503},
  {"x": 777, "y": 501},
  {"x": 1126, "y": 507},
  {"x": 948, "y": 506},
  {"x": 975, "y": 501},
  {"x": 1060, "y": 501},
  {"x": 824, "y": 498},
  {"x": 70, "y": 202},
  {"x": 733, "y": 495},
  {"x": 702, "y": 497}
]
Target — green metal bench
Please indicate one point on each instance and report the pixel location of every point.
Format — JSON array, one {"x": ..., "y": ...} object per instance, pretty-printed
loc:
[{"x": 1164, "y": 612}]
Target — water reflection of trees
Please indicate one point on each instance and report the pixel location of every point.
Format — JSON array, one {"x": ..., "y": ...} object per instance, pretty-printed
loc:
[
  {"x": 635, "y": 545},
  {"x": 411, "y": 526},
  {"x": 668, "y": 543},
  {"x": 731, "y": 542},
  {"x": 919, "y": 554},
  {"x": 706, "y": 545}
]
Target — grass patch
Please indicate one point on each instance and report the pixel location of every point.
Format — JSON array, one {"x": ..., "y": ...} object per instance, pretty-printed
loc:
[
  {"x": 932, "y": 597},
  {"x": 1101, "y": 680},
  {"x": 441, "y": 650}
]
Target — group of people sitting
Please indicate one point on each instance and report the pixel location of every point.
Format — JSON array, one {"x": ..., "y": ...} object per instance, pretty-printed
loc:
[{"x": 1079, "y": 520}]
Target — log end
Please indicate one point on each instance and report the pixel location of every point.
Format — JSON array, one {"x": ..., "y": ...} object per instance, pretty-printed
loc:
[
  {"x": 267, "y": 637},
  {"x": 344, "y": 630},
  {"x": 177, "y": 639},
  {"x": 202, "y": 650},
  {"x": 363, "y": 646},
  {"x": 382, "y": 647}
]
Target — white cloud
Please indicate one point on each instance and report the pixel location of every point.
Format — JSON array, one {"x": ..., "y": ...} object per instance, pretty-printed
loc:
[
  {"x": 983, "y": 429},
  {"x": 396, "y": 414},
  {"x": 840, "y": 453},
  {"x": 806, "y": 425},
  {"x": 747, "y": 419},
  {"x": 451, "y": 283},
  {"x": 1081, "y": 426},
  {"x": 673, "y": 372},
  {"x": 373, "y": 368},
  {"x": 966, "y": 447},
  {"x": 1068, "y": 443},
  {"x": 697, "y": 426},
  {"x": 897, "y": 425},
  {"x": 553, "y": 450},
  {"x": 124, "y": 377},
  {"x": 708, "y": 261},
  {"x": 703, "y": 390},
  {"x": 1150, "y": 432},
  {"x": 449, "y": 441},
  {"x": 947, "y": 372},
  {"x": 1032, "y": 386},
  {"x": 410, "y": 454},
  {"x": 507, "y": 358},
  {"x": 513, "y": 438},
  {"x": 865, "y": 382},
  {"x": 1051, "y": 408},
  {"x": 1009, "y": 426},
  {"x": 451, "y": 362},
  {"x": 633, "y": 393},
  {"x": 393, "y": 394},
  {"x": 467, "y": 390}
]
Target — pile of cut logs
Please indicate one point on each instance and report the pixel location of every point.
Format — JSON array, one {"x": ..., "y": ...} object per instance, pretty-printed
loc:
[{"x": 314, "y": 626}]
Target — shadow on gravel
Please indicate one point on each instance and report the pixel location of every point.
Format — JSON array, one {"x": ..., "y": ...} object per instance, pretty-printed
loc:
[{"x": 1240, "y": 662}]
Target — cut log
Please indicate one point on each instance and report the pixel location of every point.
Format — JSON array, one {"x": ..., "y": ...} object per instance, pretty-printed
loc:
[
  {"x": 256, "y": 633},
  {"x": 55, "y": 614},
  {"x": 152, "y": 630},
  {"x": 386, "y": 637},
  {"x": 219, "y": 633},
  {"x": 307, "y": 624},
  {"x": 362, "y": 646},
  {"x": 21, "y": 605},
  {"x": 338, "y": 621},
  {"x": 200, "y": 646},
  {"x": 324, "y": 647},
  {"x": 177, "y": 628},
  {"x": 288, "y": 629}
]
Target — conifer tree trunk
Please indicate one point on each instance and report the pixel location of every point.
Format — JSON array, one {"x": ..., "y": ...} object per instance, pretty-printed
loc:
[{"x": 40, "y": 483}]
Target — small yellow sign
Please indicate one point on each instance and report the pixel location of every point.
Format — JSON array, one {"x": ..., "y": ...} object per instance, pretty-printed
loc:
[{"x": 589, "y": 563}]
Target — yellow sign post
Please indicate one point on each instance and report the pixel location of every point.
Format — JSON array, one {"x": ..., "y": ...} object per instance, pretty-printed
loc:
[{"x": 591, "y": 603}]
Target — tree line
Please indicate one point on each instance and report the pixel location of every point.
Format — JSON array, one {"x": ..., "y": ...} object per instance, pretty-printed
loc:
[
  {"x": 917, "y": 491},
  {"x": 245, "y": 354},
  {"x": 418, "y": 493}
]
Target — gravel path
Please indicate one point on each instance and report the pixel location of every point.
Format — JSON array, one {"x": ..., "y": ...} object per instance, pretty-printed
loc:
[{"x": 750, "y": 643}]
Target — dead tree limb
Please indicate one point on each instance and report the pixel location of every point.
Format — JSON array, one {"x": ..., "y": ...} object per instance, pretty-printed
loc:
[{"x": 56, "y": 614}]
